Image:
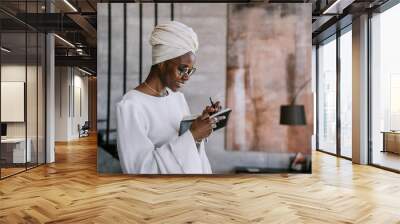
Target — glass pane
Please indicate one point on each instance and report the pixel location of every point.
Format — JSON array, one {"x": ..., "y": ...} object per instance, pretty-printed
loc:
[
  {"x": 327, "y": 97},
  {"x": 346, "y": 94},
  {"x": 41, "y": 100},
  {"x": 23, "y": 88},
  {"x": 31, "y": 100},
  {"x": 32, "y": 87},
  {"x": 386, "y": 89},
  {"x": 13, "y": 87}
]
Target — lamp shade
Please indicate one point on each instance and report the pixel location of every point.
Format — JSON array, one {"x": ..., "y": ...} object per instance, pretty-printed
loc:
[{"x": 293, "y": 115}]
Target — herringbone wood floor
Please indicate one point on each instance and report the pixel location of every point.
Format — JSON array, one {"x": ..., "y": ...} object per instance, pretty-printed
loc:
[{"x": 70, "y": 191}]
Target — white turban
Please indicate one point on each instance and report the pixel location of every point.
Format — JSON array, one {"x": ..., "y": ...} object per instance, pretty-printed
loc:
[{"x": 172, "y": 39}]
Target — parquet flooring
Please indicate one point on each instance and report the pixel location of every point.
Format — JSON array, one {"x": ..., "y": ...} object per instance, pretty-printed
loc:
[
  {"x": 10, "y": 171},
  {"x": 70, "y": 191}
]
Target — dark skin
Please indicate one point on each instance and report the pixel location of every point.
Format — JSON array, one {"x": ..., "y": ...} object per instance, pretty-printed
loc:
[{"x": 166, "y": 74}]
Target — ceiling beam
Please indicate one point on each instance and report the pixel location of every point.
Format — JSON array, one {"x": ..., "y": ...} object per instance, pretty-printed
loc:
[
  {"x": 320, "y": 22},
  {"x": 337, "y": 7},
  {"x": 86, "y": 27},
  {"x": 82, "y": 61}
]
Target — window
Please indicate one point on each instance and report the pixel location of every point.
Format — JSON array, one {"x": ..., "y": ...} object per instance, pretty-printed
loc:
[
  {"x": 327, "y": 96},
  {"x": 385, "y": 88},
  {"x": 346, "y": 93}
]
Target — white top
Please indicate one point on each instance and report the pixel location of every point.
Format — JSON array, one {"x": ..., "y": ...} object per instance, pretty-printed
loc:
[{"x": 148, "y": 141}]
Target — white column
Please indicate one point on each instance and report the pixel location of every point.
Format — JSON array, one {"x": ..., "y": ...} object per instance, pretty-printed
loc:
[
  {"x": 50, "y": 110},
  {"x": 360, "y": 90},
  {"x": 50, "y": 92}
]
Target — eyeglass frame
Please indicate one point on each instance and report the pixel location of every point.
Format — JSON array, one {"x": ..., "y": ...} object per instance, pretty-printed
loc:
[{"x": 189, "y": 72}]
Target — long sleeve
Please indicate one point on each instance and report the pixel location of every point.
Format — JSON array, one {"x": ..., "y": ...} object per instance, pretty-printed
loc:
[
  {"x": 200, "y": 147},
  {"x": 138, "y": 154}
]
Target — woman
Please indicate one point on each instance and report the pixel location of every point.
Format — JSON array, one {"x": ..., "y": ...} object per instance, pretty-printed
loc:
[{"x": 149, "y": 116}]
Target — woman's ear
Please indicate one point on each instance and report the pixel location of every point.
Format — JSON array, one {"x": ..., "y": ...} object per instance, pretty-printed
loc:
[{"x": 161, "y": 67}]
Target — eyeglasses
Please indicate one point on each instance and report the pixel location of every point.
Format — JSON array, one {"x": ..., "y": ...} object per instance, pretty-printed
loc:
[{"x": 185, "y": 70}]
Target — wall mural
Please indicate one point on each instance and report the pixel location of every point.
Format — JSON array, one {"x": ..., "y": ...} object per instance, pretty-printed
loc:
[{"x": 269, "y": 61}]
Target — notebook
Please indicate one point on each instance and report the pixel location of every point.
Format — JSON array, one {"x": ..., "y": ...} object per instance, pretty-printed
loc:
[{"x": 187, "y": 121}]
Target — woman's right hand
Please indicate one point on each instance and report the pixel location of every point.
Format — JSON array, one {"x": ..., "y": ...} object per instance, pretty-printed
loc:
[{"x": 202, "y": 127}]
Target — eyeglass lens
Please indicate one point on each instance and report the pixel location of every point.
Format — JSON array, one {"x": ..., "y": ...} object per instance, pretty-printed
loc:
[{"x": 183, "y": 69}]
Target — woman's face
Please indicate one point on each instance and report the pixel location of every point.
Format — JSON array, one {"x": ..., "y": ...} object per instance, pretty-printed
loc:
[{"x": 171, "y": 75}]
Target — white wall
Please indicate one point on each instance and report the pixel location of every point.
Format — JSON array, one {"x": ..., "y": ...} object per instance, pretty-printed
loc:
[
  {"x": 34, "y": 126},
  {"x": 71, "y": 94},
  {"x": 12, "y": 73},
  {"x": 80, "y": 103},
  {"x": 61, "y": 103}
]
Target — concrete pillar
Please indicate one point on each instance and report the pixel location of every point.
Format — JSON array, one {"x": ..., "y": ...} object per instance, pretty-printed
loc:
[
  {"x": 360, "y": 90},
  {"x": 50, "y": 93}
]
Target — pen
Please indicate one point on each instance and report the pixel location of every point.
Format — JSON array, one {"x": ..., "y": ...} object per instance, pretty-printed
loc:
[{"x": 212, "y": 103}]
